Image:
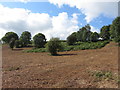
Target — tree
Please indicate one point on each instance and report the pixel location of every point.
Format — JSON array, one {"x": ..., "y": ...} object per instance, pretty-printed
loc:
[
  {"x": 17, "y": 44},
  {"x": 8, "y": 36},
  {"x": 12, "y": 43},
  {"x": 105, "y": 32},
  {"x": 94, "y": 37},
  {"x": 71, "y": 39},
  {"x": 54, "y": 45},
  {"x": 88, "y": 28},
  {"x": 25, "y": 38},
  {"x": 84, "y": 33},
  {"x": 115, "y": 30},
  {"x": 39, "y": 40}
]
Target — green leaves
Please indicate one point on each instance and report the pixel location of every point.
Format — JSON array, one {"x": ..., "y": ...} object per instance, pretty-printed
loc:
[
  {"x": 115, "y": 30},
  {"x": 25, "y": 38},
  {"x": 105, "y": 32},
  {"x": 54, "y": 45},
  {"x": 8, "y": 36},
  {"x": 39, "y": 40}
]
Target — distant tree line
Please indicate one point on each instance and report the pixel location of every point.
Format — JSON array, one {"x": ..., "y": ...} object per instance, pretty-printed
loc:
[
  {"x": 109, "y": 32},
  {"x": 84, "y": 34}
]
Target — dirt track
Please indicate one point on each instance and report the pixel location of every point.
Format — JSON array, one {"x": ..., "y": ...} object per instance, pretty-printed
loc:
[{"x": 71, "y": 69}]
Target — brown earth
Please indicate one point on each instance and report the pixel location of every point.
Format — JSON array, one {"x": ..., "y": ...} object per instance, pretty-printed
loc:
[{"x": 71, "y": 69}]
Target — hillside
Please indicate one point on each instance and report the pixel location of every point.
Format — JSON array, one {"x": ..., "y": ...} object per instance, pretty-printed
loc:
[{"x": 72, "y": 69}]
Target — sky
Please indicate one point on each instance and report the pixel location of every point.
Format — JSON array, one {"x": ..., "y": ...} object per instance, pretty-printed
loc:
[{"x": 55, "y": 18}]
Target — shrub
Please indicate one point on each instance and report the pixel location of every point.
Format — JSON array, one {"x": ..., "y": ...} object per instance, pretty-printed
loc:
[
  {"x": 54, "y": 45},
  {"x": 36, "y": 50}
]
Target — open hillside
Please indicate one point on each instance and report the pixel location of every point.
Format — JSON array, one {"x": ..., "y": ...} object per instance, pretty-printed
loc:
[{"x": 79, "y": 69}]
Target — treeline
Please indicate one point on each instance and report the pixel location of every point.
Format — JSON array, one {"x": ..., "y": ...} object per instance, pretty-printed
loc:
[
  {"x": 109, "y": 32},
  {"x": 84, "y": 34},
  {"x": 24, "y": 40}
]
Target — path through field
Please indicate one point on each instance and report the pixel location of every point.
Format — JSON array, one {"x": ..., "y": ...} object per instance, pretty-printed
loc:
[{"x": 72, "y": 69}]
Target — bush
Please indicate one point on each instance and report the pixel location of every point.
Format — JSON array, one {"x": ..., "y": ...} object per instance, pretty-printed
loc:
[
  {"x": 54, "y": 45},
  {"x": 12, "y": 43},
  {"x": 36, "y": 50}
]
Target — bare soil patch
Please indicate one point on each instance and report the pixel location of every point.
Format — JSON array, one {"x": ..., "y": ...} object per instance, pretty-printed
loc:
[{"x": 72, "y": 69}]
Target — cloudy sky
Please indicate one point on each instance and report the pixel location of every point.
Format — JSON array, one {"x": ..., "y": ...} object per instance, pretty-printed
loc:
[{"x": 55, "y": 18}]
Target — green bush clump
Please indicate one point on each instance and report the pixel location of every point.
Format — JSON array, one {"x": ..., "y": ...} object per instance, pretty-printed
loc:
[
  {"x": 54, "y": 45},
  {"x": 36, "y": 50}
]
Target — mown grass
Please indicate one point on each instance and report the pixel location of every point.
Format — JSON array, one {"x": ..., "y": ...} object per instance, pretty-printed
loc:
[{"x": 76, "y": 46}]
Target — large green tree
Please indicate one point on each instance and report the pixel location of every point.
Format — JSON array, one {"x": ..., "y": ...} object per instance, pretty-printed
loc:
[
  {"x": 39, "y": 40},
  {"x": 8, "y": 36},
  {"x": 105, "y": 32},
  {"x": 115, "y": 30},
  {"x": 71, "y": 39},
  {"x": 84, "y": 33},
  {"x": 94, "y": 37},
  {"x": 25, "y": 38}
]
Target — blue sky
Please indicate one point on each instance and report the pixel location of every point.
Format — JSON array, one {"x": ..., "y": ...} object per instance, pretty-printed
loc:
[{"x": 53, "y": 10}]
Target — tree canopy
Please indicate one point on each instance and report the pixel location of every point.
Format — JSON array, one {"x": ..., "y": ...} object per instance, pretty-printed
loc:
[
  {"x": 25, "y": 38},
  {"x": 115, "y": 29},
  {"x": 39, "y": 40},
  {"x": 71, "y": 39},
  {"x": 8, "y": 36},
  {"x": 105, "y": 32}
]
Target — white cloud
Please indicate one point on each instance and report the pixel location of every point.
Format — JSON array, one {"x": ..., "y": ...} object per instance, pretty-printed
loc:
[
  {"x": 19, "y": 20},
  {"x": 91, "y": 8},
  {"x": 93, "y": 29}
]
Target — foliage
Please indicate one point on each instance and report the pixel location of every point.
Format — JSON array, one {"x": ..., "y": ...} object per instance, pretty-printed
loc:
[
  {"x": 105, "y": 32},
  {"x": 76, "y": 46},
  {"x": 39, "y": 40},
  {"x": 85, "y": 45},
  {"x": 84, "y": 34},
  {"x": 25, "y": 38},
  {"x": 54, "y": 45},
  {"x": 8, "y": 36},
  {"x": 18, "y": 44},
  {"x": 94, "y": 37},
  {"x": 36, "y": 50},
  {"x": 12, "y": 43},
  {"x": 115, "y": 30},
  {"x": 71, "y": 39}
]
